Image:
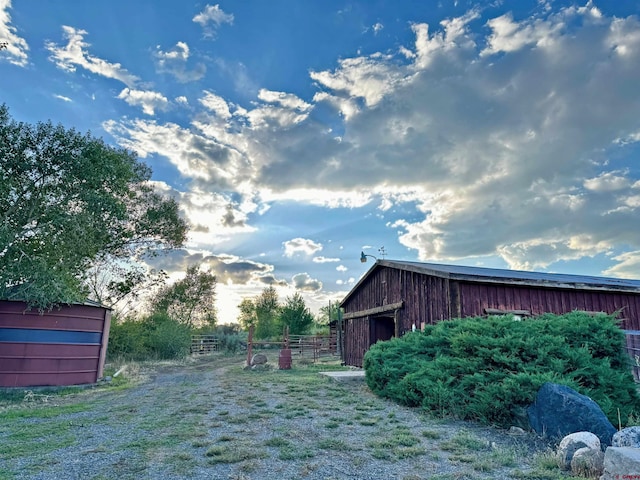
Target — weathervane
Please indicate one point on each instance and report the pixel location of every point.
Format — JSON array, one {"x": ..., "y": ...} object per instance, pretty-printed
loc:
[{"x": 381, "y": 251}]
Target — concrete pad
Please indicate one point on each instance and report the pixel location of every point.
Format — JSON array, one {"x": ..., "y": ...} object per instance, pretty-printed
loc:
[{"x": 345, "y": 375}]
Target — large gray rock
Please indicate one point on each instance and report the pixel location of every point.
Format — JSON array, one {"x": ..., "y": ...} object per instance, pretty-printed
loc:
[
  {"x": 572, "y": 443},
  {"x": 559, "y": 410},
  {"x": 627, "y": 437},
  {"x": 621, "y": 462}
]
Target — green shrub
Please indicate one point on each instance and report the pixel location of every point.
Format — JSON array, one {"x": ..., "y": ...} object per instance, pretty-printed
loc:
[
  {"x": 127, "y": 339},
  {"x": 490, "y": 369},
  {"x": 168, "y": 339},
  {"x": 155, "y": 337}
]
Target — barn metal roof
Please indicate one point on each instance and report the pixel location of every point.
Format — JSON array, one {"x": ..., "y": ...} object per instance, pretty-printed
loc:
[{"x": 504, "y": 276}]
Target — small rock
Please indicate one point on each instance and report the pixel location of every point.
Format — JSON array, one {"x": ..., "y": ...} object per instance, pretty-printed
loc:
[
  {"x": 517, "y": 431},
  {"x": 588, "y": 462},
  {"x": 627, "y": 437},
  {"x": 571, "y": 444},
  {"x": 259, "y": 359}
]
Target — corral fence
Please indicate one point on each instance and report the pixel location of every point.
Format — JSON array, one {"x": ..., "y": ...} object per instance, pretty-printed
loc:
[
  {"x": 303, "y": 347},
  {"x": 203, "y": 344},
  {"x": 633, "y": 349}
]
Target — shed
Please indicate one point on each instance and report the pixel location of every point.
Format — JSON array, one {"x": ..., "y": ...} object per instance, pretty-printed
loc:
[
  {"x": 394, "y": 297},
  {"x": 64, "y": 346}
]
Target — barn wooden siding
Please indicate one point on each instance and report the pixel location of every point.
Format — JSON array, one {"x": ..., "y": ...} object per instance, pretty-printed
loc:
[
  {"x": 410, "y": 297},
  {"x": 65, "y": 346},
  {"x": 476, "y": 298}
]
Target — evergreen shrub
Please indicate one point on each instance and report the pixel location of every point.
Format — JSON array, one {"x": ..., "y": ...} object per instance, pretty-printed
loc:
[{"x": 490, "y": 369}]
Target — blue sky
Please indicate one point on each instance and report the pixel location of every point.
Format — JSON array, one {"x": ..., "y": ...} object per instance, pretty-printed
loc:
[{"x": 297, "y": 134}]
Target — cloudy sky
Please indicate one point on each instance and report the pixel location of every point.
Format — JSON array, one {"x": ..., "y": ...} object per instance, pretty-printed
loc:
[{"x": 296, "y": 134}]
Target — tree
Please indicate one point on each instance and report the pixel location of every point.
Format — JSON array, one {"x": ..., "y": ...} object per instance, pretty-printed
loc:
[
  {"x": 66, "y": 199},
  {"x": 329, "y": 313},
  {"x": 295, "y": 314},
  {"x": 267, "y": 308},
  {"x": 190, "y": 301},
  {"x": 122, "y": 285},
  {"x": 248, "y": 315}
]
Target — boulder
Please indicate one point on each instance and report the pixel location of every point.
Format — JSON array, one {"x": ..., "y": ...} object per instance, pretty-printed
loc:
[
  {"x": 627, "y": 437},
  {"x": 572, "y": 443},
  {"x": 621, "y": 462},
  {"x": 559, "y": 410},
  {"x": 588, "y": 462},
  {"x": 259, "y": 359}
]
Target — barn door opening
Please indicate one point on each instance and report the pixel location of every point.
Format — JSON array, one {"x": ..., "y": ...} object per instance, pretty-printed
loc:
[{"x": 382, "y": 328}]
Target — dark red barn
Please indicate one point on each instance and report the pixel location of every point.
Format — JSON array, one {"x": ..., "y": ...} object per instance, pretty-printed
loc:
[{"x": 394, "y": 297}]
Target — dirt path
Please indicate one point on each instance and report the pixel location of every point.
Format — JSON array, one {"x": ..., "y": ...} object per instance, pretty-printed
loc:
[{"x": 211, "y": 419}]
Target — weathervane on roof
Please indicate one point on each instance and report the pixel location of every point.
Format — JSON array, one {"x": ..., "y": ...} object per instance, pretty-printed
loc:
[{"x": 381, "y": 251}]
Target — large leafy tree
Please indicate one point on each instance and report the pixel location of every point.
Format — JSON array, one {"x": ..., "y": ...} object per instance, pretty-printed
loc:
[
  {"x": 295, "y": 314},
  {"x": 267, "y": 309},
  {"x": 190, "y": 301},
  {"x": 65, "y": 199}
]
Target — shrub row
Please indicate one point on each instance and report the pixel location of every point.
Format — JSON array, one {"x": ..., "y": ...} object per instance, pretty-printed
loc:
[
  {"x": 490, "y": 369},
  {"x": 155, "y": 337}
]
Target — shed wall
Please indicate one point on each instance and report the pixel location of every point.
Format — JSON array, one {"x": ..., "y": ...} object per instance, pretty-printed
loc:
[{"x": 65, "y": 346}]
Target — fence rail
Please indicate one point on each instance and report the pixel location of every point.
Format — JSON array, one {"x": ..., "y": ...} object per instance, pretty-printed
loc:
[
  {"x": 203, "y": 344},
  {"x": 633, "y": 349}
]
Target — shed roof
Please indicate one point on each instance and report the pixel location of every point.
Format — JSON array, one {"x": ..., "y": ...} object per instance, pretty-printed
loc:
[{"x": 504, "y": 276}]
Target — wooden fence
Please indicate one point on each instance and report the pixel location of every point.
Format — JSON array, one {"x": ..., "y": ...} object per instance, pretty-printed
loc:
[
  {"x": 203, "y": 344},
  {"x": 633, "y": 349}
]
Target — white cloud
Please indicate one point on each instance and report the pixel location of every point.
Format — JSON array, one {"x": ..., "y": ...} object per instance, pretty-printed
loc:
[
  {"x": 341, "y": 268},
  {"x": 628, "y": 265},
  {"x": 302, "y": 281},
  {"x": 75, "y": 54},
  {"x": 322, "y": 259},
  {"x": 286, "y": 100},
  {"x": 377, "y": 28},
  {"x": 300, "y": 245},
  {"x": 608, "y": 182},
  {"x": 182, "y": 100},
  {"x": 498, "y": 143},
  {"x": 15, "y": 47},
  {"x": 63, "y": 98},
  {"x": 174, "y": 62},
  {"x": 148, "y": 100},
  {"x": 216, "y": 104},
  {"x": 211, "y": 18}
]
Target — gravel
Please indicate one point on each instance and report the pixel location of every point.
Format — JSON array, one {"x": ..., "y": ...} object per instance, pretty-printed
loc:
[{"x": 211, "y": 419}]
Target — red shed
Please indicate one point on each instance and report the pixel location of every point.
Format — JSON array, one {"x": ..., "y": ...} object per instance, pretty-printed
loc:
[
  {"x": 394, "y": 297},
  {"x": 64, "y": 346}
]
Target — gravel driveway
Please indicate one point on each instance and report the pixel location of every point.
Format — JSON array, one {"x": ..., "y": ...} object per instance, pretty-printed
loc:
[{"x": 210, "y": 419}]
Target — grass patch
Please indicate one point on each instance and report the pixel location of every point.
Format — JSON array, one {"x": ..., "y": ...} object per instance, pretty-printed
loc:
[{"x": 231, "y": 454}]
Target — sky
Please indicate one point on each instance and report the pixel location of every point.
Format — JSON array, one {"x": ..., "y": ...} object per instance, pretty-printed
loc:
[{"x": 297, "y": 134}]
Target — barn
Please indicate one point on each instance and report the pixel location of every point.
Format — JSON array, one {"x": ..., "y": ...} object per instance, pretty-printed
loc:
[{"x": 394, "y": 297}]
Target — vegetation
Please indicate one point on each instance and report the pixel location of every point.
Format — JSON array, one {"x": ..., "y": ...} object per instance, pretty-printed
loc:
[
  {"x": 190, "y": 301},
  {"x": 490, "y": 369},
  {"x": 68, "y": 200},
  {"x": 156, "y": 336},
  {"x": 269, "y": 317}
]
